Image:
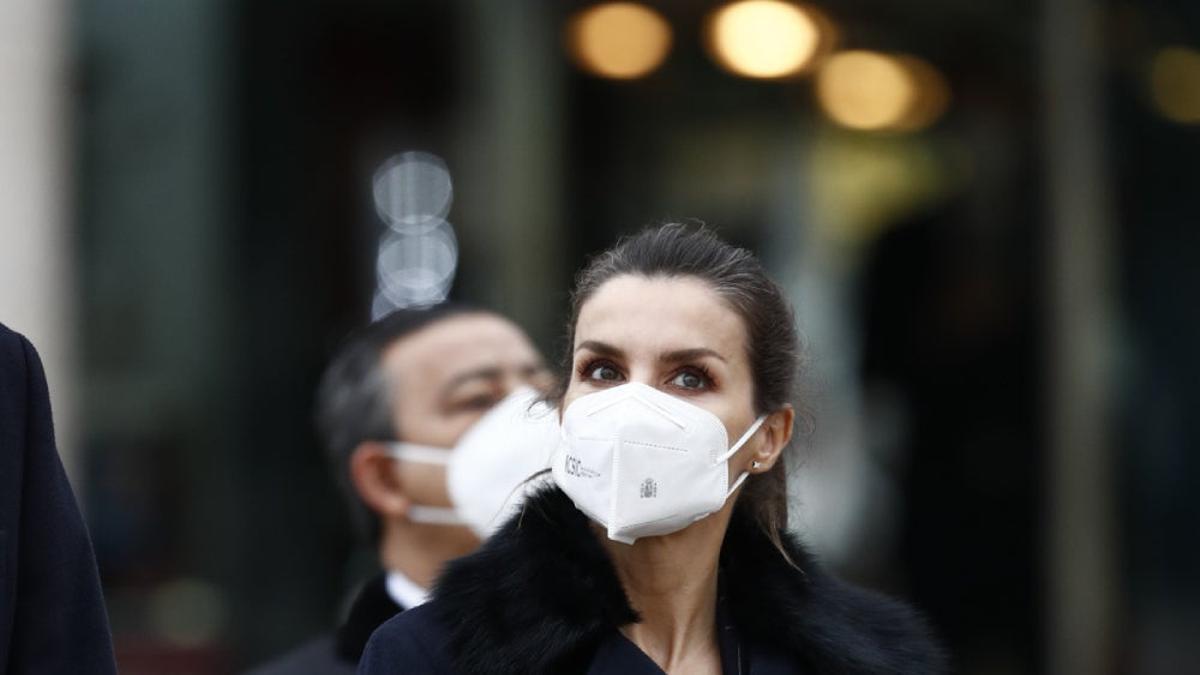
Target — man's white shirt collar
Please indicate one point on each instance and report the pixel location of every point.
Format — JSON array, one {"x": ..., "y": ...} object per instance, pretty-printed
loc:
[{"x": 404, "y": 591}]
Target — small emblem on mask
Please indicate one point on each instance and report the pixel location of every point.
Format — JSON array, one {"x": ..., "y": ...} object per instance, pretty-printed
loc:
[
  {"x": 649, "y": 488},
  {"x": 572, "y": 466}
]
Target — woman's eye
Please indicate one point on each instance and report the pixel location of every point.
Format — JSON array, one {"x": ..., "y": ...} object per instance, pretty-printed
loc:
[
  {"x": 604, "y": 372},
  {"x": 689, "y": 380}
]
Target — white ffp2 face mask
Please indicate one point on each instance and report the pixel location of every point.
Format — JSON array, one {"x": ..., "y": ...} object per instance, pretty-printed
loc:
[
  {"x": 644, "y": 463},
  {"x": 486, "y": 471},
  {"x": 489, "y": 471}
]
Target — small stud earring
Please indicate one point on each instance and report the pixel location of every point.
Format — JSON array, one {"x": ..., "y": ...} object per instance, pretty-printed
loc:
[{"x": 755, "y": 464}]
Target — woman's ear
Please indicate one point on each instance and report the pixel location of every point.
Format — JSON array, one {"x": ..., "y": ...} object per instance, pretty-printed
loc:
[
  {"x": 375, "y": 479},
  {"x": 777, "y": 432}
]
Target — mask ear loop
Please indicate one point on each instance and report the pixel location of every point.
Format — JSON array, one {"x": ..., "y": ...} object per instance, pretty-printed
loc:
[
  {"x": 426, "y": 454},
  {"x": 737, "y": 483},
  {"x": 738, "y": 446},
  {"x": 421, "y": 454},
  {"x": 742, "y": 441},
  {"x": 434, "y": 515}
]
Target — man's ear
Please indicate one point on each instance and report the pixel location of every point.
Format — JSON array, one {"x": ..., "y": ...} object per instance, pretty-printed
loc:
[
  {"x": 373, "y": 473},
  {"x": 777, "y": 433}
]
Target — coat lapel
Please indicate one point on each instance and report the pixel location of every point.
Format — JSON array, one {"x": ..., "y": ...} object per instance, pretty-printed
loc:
[{"x": 372, "y": 606}]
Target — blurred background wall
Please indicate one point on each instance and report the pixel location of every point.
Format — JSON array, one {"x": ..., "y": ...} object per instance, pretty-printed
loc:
[{"x": 986, "y": 214}]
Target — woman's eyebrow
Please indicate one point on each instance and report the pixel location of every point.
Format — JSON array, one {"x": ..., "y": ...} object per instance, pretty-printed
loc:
[
  {"x": 601, "y": 348},
  {"x": 690, "y": 355}
]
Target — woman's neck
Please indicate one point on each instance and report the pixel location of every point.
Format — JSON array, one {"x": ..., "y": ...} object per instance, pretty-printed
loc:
[{"x": 672, "y": 583}]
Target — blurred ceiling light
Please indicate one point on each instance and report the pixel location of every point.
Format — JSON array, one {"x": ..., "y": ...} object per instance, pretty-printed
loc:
[
  {"x": 879, "y": 92},
  {"x": 767, "y": 38},
  {"x": 412, "y": 192},
  {"x": 619, "y": 40},
  {"x": 865, "y": 90},
  {"x": 932, "y": 94},
  {"x": 415, "y": 270},
  {"x": 1175, "y": 84}
]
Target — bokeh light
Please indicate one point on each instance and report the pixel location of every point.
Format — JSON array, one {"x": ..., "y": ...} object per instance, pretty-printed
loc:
[
  {"x": 413, "y": 192},
  {"x": 872, "y": 91},
  {"x": 418, "y": 254},
  {"x": 931, "y": 95},
  {"x": 189, "y": 612},
  {"x": 767, "y": 38},
  {"x": 862, "y": 184},
  {"x": 415, "y": 270},
  {"x": 1175, "y": 84},
  {"x": 864, "y": 90},
  {"x": 619, "y": 40}
]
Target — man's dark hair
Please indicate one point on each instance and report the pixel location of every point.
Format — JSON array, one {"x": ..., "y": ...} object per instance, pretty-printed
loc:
[{"x": 355, "y": 398}]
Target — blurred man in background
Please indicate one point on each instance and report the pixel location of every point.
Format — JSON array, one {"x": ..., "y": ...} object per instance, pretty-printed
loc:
[
  {"x": 399, "y": 394},
  {"x": 52, "y": 615}
]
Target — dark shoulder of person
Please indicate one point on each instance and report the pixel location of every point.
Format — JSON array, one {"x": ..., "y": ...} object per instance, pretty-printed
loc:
[
  {"x": 315, "y": 657},
  {"x": 52, "y": 613},
  {"x": 415, "y": 641}
]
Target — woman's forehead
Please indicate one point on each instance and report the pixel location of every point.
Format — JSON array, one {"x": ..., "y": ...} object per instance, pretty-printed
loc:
[{"x": 660, "y": 314}]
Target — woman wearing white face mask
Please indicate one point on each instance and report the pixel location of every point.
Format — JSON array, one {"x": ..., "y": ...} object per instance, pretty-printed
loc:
[{"x": 663, "y": 544}]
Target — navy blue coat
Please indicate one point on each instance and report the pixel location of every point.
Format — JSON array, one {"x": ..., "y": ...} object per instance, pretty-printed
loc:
[
  {"x": 52, "y": 616},
  {"x": 542, "y": 596},
  {"x": 338, "y": 653}
]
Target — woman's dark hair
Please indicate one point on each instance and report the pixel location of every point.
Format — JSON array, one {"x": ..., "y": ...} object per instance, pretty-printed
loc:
[{"x": 736, "y": 276}]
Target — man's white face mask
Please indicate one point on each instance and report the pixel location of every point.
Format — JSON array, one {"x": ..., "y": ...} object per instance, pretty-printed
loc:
[{"x": 487, "y": 470}]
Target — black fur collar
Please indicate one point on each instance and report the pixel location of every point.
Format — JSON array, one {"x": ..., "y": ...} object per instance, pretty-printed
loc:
[{"x": 541, "y": 594}]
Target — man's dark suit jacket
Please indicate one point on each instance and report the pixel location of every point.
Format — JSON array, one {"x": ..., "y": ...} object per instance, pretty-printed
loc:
[
  {"x": 52, "y": 616},
  {"x": 339, "y": 652}
]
